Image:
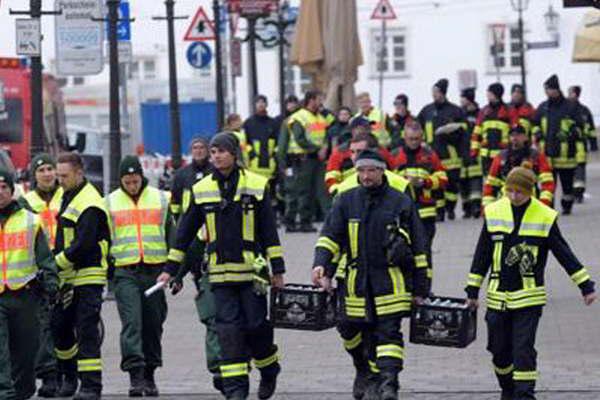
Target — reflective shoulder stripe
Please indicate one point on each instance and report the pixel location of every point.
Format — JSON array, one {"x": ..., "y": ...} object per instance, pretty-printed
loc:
[
  {"x": 538, "y": 219},
  {"x": 498, "y": 216}
]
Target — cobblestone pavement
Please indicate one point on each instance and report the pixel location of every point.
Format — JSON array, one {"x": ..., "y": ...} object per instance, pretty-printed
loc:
[{"x": 316, "y": 367}]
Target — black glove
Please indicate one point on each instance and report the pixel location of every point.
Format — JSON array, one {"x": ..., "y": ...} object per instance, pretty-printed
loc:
[
  {"x": 176, "y": 285},
  {"x": 399, "y": 252},
  {"x": 593, "y": 144}
]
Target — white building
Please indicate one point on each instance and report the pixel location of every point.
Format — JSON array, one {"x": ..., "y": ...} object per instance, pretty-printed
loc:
[{"x": 430, "y": 39}]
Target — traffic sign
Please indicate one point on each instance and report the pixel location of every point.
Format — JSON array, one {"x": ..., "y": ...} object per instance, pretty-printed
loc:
[
  {"x": 29, "y": 37},
  {"x": 201, "y": 28},
  {"x": 124, "y": 24},
  {"x": 199, "y": 55},
  {"x": 383, "y": 11},
  {"x": 78, "y": 38}
]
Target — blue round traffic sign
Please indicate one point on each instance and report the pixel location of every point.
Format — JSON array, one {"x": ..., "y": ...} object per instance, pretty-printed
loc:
[{"x": 199, "y": 55}]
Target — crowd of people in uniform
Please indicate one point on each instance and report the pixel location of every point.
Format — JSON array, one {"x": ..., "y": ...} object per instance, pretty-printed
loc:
[{"x": 379, "y": 183}]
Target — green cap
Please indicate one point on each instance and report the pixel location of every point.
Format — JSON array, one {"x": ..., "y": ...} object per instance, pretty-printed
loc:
[
  {"x": 41, "y": 160},
  {"x": 130, "y": 165}
]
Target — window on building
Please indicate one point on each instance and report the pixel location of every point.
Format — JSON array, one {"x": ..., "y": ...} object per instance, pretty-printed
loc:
[
  {"x": 391, "y": 57},
  {"x": 134, "y": 70},
  {"x": 296, "y": 81},
  {"x": 78, "y": 80},
  {"x": 149, "y": 69},
  {"x": 503, "y": 48}
]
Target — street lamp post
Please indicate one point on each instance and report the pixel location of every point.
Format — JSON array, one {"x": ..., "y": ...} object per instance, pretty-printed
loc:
[
  {"x": 520, "y": 6},
  {"x": 174, "y": 112},
  {"x": 219, "y": 65}
]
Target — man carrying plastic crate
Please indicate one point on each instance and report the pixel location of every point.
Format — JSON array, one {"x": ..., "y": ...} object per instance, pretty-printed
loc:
[
  {"x": 517, "y": 234},
  {"x": 378, "y": 229}
]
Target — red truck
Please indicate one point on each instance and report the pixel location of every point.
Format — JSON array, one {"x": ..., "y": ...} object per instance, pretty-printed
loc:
[{"x": 15, "y": 113}]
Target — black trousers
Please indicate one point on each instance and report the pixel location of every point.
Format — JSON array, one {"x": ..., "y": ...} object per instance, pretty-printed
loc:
[
  {"x": 77, "y": 336},
  {"x": 452, "y": 189},
  {"x": 567, "y": 179},
  {"x": 429, "y": 225},
  {"x": 377, "y": 346},
  {"x": 579, "y": 180},
  {"x": 511, "y": 340},
  {"x": 244, "y": 333}
]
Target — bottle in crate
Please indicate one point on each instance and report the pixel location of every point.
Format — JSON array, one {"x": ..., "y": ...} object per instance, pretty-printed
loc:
[{"x": 303, "y": 307}]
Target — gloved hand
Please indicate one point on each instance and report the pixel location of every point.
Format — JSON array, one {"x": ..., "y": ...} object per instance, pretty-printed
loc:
[
  {"x": 176, "y": 286},
  {"x": 399, "y": 252}
]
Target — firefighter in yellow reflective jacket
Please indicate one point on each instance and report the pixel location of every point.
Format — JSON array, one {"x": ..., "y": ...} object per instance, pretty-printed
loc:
[
  {"x": 558, "y": 133},
  {"x": 234, "y": 205},
  {"x": 26, "y": 257},
  {"x": 379, "y": 231},
  {"x": 378, "y": 119},
  {"x": 518, "y": 232},
  {"x": 44, "y": 199},
  {"x": 81, "y": 249},
  {"x": 307, "y": 150},
  {"x": 141, "y": 224}
]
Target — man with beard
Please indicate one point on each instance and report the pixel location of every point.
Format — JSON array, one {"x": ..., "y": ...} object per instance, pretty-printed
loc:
[
  {"x": 397, "y": 121},
  {"x": 521, "y": 110}
]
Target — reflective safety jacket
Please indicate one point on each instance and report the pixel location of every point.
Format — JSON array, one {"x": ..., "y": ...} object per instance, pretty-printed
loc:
[
  {"x": 46, "y": 210},
  {"x": 378, "y": 121},
  {"x": 261, "y": 134},
  {"x": 515, "y": 242},
  {"x": 588, "y": 132},
  {"x": 422, "y": 163},
  {"x": 523, "y": 115},
  {"x": 492, "y": 130},
  {"x": 139, "y": 227},
  {"x": 83, "y": 237},
  {"x": 308, "y": 130},
  {"x": 340, "y": 166},
  {"x": 240, "y": 226},
  {"x": 358, "y": 227},
  {"x": 395, "y": 181},
  {"x": 181, "y": 190},
  {"x": 557, "y": 130},
  {"x": 17, "y": 248},
  {"x": 504, "y": 162},
  {"x": 436, "y": 116}
]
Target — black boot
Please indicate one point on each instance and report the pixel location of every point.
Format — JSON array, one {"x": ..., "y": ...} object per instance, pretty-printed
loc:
[
  {"x": 218, "y": 384},
  {"x": 150, "y": 389},
  {"x": 361, "y": 382},
  {"x": 267, "y": 385},
  {"x": 87, "y": 394},
  {"x": 567, "y": 205},
  {"x": 68, "y": 386},
  {"x": 291, "y": 227},
  {"x": 49, "y": 386},
  {"x": 137, "y": 382},
  {"x": 451, "y": 214},
  {"x": 388, "y": 388},
  {"x": 372, "y": 390},
  {"x": 506, "y": 396}
]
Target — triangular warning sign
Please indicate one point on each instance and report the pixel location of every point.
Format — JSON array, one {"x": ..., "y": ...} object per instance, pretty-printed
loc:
[
  {"x": 201, "y": 28},
  {"x": 383, "y": 10}
]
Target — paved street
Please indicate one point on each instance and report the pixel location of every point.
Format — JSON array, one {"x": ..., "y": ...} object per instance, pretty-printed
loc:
[{"x": 315, "y": 365}]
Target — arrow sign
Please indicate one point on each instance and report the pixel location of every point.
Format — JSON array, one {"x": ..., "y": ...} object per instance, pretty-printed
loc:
[
  {"x": 199, "y": 55},
  {"x": 201, "y": 28},
  {"x": 383, "y": 11}
]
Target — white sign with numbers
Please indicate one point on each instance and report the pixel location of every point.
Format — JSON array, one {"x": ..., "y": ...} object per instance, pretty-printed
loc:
[
  {"x": 79, "y": 40},
  {"x": 29, "y": 37}
]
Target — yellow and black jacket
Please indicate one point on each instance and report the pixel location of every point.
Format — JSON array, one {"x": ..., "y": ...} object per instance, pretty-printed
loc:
[
  {"x": 514, "y": 243},
  {"x": 558, "y": 130},
  {"x": 82, "y": 237},
  {"x": 358, "y": 227},
  {"x": 240, "y": 226}
]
